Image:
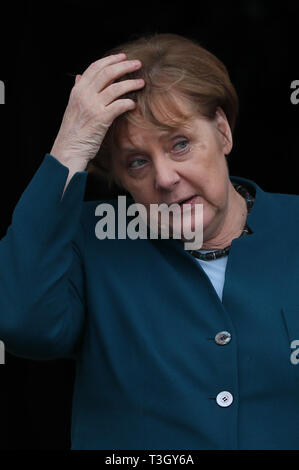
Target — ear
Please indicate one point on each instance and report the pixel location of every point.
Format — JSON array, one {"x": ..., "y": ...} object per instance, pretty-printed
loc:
[{"x": 224, "y": 130}]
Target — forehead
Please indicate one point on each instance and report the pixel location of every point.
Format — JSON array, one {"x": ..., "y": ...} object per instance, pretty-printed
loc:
[
  {"x": 165, "y": 117},
  {"x": 134, "y": 134}
]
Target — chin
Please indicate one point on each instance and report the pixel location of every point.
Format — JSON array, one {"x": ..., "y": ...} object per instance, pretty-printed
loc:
[{"x": 189, "y": 223}]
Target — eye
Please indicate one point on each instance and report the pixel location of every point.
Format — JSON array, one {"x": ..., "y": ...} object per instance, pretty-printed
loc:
[
  {"x": 185, "y": 141},
  {"x": 137, "y": 162},
  {"x": 130, "y": 164}
]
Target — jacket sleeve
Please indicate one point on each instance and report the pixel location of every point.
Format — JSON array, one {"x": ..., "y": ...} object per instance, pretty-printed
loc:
[{"x": 42, "y": 305}]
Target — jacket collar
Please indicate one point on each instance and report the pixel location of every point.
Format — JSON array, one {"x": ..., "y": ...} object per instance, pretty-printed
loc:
[{"x": 261, "y": 214}]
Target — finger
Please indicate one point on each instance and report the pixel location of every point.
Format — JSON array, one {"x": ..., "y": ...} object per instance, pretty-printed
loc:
[
  {"x": 120, "y": 106},
  {"x": 95, "y": 67},
  {"x": 110, "y": 73},
  {"x": 118, "y": 89}
]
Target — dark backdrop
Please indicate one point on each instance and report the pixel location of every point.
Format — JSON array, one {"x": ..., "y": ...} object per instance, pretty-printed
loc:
[{"x": 42, "y": 45}]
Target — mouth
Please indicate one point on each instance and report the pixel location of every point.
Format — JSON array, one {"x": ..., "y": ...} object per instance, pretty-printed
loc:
[
  {"x": 183, "y": 201},
  {"x": 190, "y": 200}
]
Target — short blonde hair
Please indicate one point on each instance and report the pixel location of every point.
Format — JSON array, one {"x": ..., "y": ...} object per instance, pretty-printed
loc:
[{"x": 171, "y": 65}]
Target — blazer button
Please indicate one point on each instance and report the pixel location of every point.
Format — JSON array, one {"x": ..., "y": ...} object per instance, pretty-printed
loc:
[
  {"x": 224, "y": 399},
  {"x": 223, "y": 337}
]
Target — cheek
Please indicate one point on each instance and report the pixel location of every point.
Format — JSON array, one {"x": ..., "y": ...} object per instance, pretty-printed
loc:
[
  {"x": 212, "y": 187},
  {"x": 209, "y": 172},
  {"x": 141, "y": 189},
  {"x": 205, "y": 162},
  {"x": 218, "y": 195},
  {"x": 140, "y": 193},
  {"x": 117, "y": 172}
]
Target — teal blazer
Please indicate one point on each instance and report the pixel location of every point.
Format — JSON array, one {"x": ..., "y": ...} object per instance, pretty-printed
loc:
[{"x": 140, "y": 318}]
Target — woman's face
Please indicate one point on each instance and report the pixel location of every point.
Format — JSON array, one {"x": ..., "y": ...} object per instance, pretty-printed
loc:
[{"x": 156, "y": 167}]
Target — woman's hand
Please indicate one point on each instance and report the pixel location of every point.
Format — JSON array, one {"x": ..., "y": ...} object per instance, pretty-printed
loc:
[{"x": 92, "y": 107}]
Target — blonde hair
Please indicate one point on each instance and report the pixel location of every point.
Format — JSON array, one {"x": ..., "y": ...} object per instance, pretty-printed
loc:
[{"x": 171, "y": 65}]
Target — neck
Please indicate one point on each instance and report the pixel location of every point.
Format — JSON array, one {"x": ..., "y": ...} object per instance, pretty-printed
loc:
[{"x": 231, "y": 224}]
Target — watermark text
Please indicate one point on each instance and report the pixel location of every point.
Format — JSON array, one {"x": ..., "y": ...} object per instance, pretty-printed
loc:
[
  {"x": 169, "y": 221},
  {"x": 2, "y": 352}
]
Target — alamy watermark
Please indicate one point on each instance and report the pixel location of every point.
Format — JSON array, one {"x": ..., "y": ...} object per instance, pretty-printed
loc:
[
  {"x": 2, "y": 92},
  {"x": 295, "y": 354},
  {"x": 168, "y": 221},
  {"x": 2, "y": 352},
  {"x": 295, "y": 94}
]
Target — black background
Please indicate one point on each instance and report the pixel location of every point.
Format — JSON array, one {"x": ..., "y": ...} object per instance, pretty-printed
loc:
[{"x": 42, "y": 46}]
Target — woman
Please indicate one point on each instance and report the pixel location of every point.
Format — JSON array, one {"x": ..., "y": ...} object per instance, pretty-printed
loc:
[{"x": 174, "y": 348}]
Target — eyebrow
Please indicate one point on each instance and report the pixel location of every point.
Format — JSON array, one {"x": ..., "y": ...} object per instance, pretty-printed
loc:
[{"x": 163, "y": 136}]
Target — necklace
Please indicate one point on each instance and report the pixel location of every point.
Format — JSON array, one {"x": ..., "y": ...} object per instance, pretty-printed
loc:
[{"x": 215, "y": 254}]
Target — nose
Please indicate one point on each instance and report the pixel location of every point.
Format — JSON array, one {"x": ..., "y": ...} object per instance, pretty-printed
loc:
[{"x": 166, "y": 175}]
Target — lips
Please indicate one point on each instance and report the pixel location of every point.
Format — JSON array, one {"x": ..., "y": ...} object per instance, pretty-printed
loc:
[
  {"x": 182, "y": 201},
  {"x": 188, "y": 201}
]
